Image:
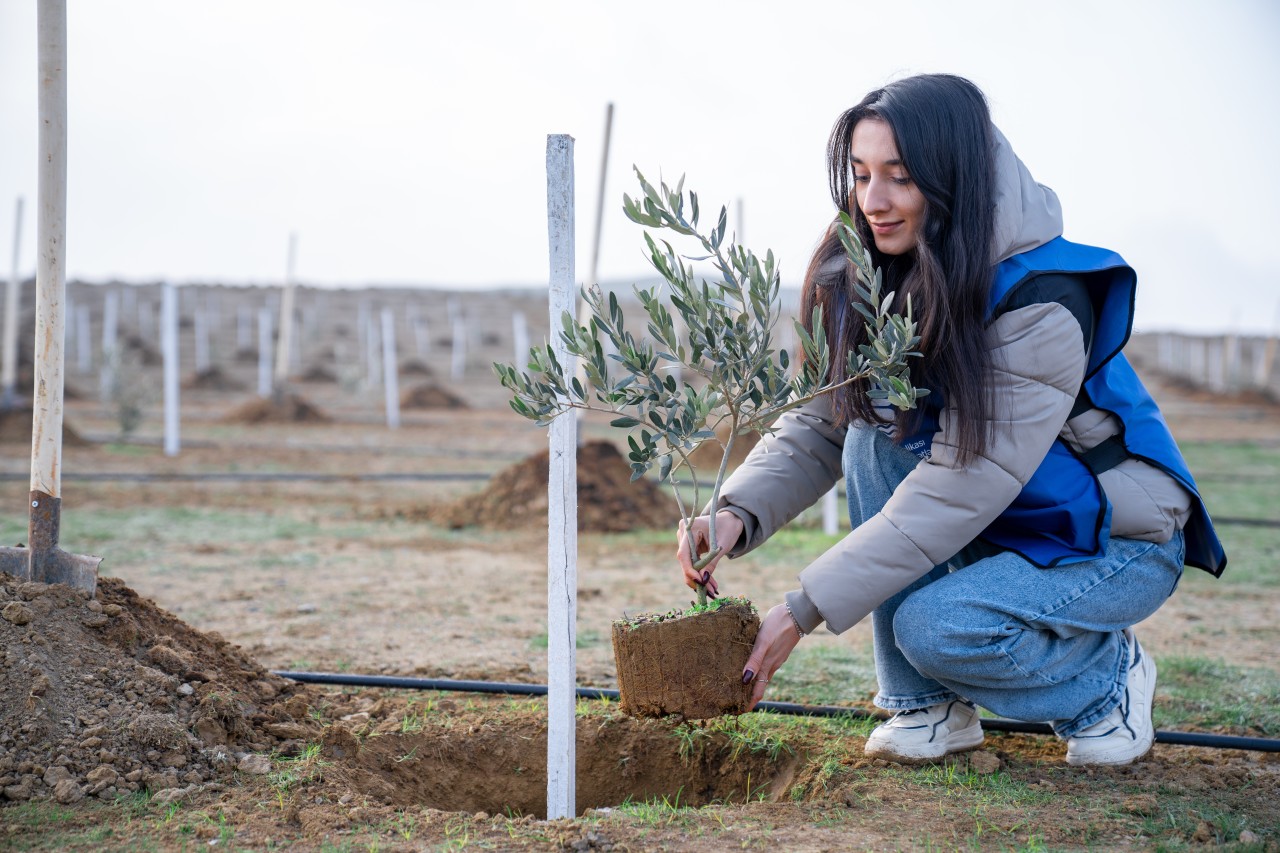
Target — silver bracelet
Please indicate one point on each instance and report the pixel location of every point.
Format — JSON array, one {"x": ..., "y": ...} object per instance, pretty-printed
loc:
[{"x": 794, "y": 620}]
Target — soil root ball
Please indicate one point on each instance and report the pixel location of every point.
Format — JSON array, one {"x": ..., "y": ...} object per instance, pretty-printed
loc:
[
  {"x": 657, "y": 677},
  {"x": 212, "y": 379},
  {"x": 608, "y": 501}
]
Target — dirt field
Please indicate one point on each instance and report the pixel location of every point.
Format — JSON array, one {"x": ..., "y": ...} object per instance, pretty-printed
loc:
[{"x": 318, "y": 545}]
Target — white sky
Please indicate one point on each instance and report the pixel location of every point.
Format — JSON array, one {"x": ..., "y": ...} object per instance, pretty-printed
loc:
[{"x": 405, "y": 141}]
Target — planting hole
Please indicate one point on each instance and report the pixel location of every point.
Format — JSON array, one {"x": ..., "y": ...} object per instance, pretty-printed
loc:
[{"x": 502, "y": 768}]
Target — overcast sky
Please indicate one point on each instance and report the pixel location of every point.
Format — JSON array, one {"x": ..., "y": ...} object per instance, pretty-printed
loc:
[{"x": 404, "y": 142}]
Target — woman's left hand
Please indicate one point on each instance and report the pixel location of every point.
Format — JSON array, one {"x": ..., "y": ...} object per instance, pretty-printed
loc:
[{"x": 778, "y": 636}]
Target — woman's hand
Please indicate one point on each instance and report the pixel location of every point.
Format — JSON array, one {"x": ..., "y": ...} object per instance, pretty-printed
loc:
[
  {"x": 698, "y": 534},
  {"x": 777, "y": 638}
]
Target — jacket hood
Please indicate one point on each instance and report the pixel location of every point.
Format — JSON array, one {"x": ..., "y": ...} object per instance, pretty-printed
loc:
[{"x": 1027, "y": 213}]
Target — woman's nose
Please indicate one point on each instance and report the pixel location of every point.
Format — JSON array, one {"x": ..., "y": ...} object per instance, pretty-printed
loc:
[{"x": 874, "y": 199}]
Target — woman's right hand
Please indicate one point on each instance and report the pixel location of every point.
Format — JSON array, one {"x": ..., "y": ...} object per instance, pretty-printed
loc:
[{"x": 698, "y": 535}]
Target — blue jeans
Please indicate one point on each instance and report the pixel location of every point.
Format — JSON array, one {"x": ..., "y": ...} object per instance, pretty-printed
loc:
[{"x": 1028, "y": 643}]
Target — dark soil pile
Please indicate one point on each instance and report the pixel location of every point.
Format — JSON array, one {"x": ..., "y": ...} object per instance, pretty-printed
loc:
[
  {"x": 108, "y": 694},
  {"x": 146, "y": 353},
  {"x": 706, "y": 457},
  {"x": 15, "y": 428},
  {"x": 416, "y": 367},
  {"x": 428, "y": 395},
  {"x": 289, "y": 409},
  {"x": 607, "y": 501},
  {"x": 212, "y": 379}
]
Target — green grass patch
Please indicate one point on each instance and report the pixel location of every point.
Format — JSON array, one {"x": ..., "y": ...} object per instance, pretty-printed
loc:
[
  {"x": 1206, "y": 694},
  {"x": 825, "y": 675}
]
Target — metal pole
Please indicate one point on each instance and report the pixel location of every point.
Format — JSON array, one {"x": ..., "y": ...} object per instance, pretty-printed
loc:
[{"x": 562, "y": 509}]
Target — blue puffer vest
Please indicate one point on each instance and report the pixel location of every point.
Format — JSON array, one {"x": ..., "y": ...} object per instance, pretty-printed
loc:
[{"x": 1062, "y": 514}]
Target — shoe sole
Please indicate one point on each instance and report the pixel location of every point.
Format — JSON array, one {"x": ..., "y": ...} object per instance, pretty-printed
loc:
[
  {"x": 1146, "y": 738},
  {"x": 961, "y": 741}
]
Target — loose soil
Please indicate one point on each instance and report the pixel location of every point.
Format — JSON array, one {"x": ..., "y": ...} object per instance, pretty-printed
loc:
[
  {"x": 428, "y": 395},
  {"x": 289, "y": 408},
  {"x": 159, "y": 689}
]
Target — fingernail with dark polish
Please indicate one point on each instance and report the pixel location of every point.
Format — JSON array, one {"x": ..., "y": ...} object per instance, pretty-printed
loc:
[
  {"x": 747, "y": 676},
  {"x": 706, "y": 576}
]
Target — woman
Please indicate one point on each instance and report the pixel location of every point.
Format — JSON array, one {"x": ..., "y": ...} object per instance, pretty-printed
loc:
[{"x": 1009, "y": 532}]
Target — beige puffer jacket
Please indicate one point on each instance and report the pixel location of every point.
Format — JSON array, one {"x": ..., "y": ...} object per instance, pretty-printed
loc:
[{"x": 1038, "y": 362}]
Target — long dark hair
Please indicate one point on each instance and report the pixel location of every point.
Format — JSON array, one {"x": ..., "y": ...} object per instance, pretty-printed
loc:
[{"x": 942, "y": 129}]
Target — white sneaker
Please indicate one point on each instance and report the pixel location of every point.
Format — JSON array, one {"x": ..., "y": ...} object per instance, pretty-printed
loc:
[
  {"x": 1126, "y": 734},
  {"x": 927, "y": 733}
]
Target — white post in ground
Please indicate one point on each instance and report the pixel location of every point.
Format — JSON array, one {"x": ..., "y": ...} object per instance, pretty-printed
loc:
[
  {"x": 12, "y": 303},
  {"x": 562, "y": 509},
  {"x": 110, "y": 357},
  {"x": 169, "y": 348},
  {"x": 284, "y": 344},
  {"x": 264, "y": 352},
  {"x": 390, "y": 379},
  {"x": 146, "y": 321}
]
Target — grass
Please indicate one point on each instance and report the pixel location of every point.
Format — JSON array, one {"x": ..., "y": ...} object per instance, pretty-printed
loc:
[{"x": 1206, "y": 694}]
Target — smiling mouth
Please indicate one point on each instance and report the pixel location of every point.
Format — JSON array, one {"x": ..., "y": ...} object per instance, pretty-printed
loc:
[{"x": 884, "y": 227}]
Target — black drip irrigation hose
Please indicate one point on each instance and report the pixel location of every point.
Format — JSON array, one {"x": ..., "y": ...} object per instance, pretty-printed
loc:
[{"x": 992, "y": 724}]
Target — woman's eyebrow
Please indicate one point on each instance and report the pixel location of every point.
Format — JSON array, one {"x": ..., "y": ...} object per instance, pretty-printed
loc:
[{"x": 858, "y": 160}]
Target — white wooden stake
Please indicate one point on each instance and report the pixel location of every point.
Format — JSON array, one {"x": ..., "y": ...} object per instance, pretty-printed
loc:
[
  {"x": 284, "y": 344},
  {"x": 51, "y": 251},
  {"x": 12, "y": 303},
  {"x": 831, "y": 513},
  {"x": 264, "y": 352},
  {"x": 562, "y": 510},
  {"x": 169, "y": 347},
  {"x": 110, "y": 357},
  {"x": 390, "y": 380}
]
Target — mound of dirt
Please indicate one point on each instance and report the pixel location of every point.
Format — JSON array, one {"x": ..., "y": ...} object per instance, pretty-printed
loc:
[
  {"x": 428, "y": 395},
  {"x": 290, "y": 409},
  {"x": 109, "y": 694},
  {"x": 706, "y": 457},
  {"x": 15, "y": 428},
  {"x": 147, "y": 355},
  {"x": 212, "y": 379},
  {"x": 607, "y": 501}
]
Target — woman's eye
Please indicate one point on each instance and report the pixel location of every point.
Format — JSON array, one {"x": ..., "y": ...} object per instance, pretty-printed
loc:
[
  {"x": 860, "y": 179},
  {"x": 902, "y": 181}
]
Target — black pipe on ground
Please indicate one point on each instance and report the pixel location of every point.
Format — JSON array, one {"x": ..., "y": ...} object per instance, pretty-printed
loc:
[{"x": 992, "y": 724}]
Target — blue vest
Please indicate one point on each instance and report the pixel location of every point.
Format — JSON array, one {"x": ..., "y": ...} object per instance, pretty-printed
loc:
[{"x": 1062, "y": 514}]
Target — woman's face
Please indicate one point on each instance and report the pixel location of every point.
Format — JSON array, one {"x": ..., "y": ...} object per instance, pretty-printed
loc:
[{"x": 893, "y": 205}]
